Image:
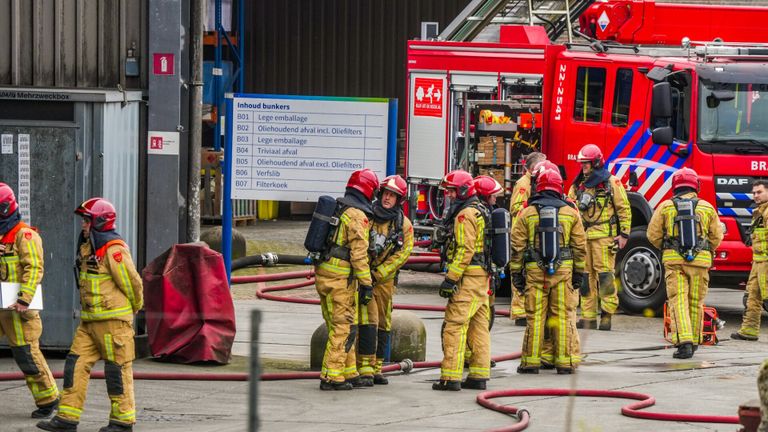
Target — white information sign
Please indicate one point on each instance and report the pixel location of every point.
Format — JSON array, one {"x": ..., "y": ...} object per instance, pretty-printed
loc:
[
  {"x": 163, "y": 143},
  {"x": 7, "y": 144},
  {"x": 24, "y": 193},
  {"x": 296, "y": 149}
]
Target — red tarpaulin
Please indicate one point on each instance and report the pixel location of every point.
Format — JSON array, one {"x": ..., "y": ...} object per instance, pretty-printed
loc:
[{"x": 189, "y": 310}]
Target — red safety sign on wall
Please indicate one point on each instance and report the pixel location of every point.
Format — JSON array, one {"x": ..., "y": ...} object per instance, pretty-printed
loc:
[
  {"x": 428, "y": 97},
  {"x": 162, "y": 64}
]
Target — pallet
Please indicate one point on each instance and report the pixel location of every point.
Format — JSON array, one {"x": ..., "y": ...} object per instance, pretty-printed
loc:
[{"x": 244, "y": 220}]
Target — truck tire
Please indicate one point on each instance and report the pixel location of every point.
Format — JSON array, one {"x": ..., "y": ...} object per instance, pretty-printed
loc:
[{"x": 641, "y": 276}]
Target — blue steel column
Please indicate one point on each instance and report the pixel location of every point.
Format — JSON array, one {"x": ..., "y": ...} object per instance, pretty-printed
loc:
[
  {"x": 392, "y": 138},
  {"x": 241, "y": 46},
  {"x": 226, "y": 217},
  {"x": 217, "y": 78}
]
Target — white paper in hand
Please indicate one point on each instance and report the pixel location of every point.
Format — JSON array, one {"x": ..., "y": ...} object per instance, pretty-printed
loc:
[{"x": 9, "y": 293}]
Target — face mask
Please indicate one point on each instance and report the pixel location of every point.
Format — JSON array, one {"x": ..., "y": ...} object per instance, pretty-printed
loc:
[
  {"x": 585, "y": 201},
  {"x": 377, "y": 242}
]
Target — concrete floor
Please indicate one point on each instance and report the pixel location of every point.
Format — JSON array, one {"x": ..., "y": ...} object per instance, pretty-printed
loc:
[{"x": 633, "y": 357}]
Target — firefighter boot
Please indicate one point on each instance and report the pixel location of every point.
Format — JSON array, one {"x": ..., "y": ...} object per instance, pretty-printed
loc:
[
  {"x": 365, "y": 381},
  {"x": 380, "y": 379},
  {"x": 684, "y": 351},
  {"x": 586, "y": 324},
  {"x": 605, "y": 322},
  {"x": 45, "y": 411},
  {"x": 739, "y": 336},
  {"x": 528, "y": 370},
  {"x": 114, "y": 426},
  {"x": 331, "y": 385},
  {"x": 447, "y": 385},
  {"x": 473, "y": 384},
  {"x": 57, "y": 424}
]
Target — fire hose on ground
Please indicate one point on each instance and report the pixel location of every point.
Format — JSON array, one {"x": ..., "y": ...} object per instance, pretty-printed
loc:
[{"x": 484, "y": 399}]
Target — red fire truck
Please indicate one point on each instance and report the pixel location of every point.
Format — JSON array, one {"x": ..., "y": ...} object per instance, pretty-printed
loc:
[{"x": 640, "y": 86}]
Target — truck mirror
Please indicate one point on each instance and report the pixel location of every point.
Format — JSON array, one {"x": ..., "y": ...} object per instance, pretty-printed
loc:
[
  {"x": 662, "y": 136},
  {"x": 661, "y": 106},
  {"x": 633, "y": 179},
  {"x": 717, "y": 96}
]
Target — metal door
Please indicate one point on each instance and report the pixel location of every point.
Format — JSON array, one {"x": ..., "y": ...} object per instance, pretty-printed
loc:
[{"x": 38, "y": 160}]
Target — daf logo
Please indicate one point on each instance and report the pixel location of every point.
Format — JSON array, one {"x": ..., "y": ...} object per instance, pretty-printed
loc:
[{"x": 732, "y": 181}]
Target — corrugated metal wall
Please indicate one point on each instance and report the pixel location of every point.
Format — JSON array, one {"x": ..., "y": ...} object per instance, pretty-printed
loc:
[
  {"x": 71, "y": 43},
  {"x": 336, "y": 47},
  {"x": 120, "y": 140}
]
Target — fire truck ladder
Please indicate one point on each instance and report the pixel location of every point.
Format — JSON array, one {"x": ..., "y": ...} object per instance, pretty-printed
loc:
[{"x": 479, "y": 14}]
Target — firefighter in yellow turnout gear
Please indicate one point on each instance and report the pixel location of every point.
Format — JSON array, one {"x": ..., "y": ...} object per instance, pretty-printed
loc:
[
  {"x": 520, "y": 194},
  {"x": 111, "y": 294},
  {"x": 466, "y": 288},
  {"x": 549, "y": 224},
  {"x": 390, "y": 246},
  {"x": 687, "y": 231},
  {"x": 607, "y": 218},
  {"x": 757, "y": 284},
  {"x": 343, "y": 278},
  {"x": 21, "y": 261}
]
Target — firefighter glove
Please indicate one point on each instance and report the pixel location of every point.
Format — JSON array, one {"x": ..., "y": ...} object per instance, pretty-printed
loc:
[
  {"x": 448, "y": 288},
  {"x": 518, "y": 280},
  {"x": 584, "y": 287},
  {"x": 365, "y": 293},
  {"x": 577, "y": 280}
]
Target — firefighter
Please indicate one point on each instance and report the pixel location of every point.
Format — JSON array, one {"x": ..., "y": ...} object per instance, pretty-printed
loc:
[
  {"x": 465, "y": 286},
  {"x": 21, "y": 260},
  {"x": 757, "y": 287},
  {"x": 687, "y": 231},
  {"x": 488, "y": 189},
  {"x": 607, "y": 219},
  {"x": 343, "y": 278},
  {"x": 549, "y": 242},
  {"x": 110, "y": 295},
  {"x": 391, "y": 243},
  {"x": 520, "y": 194}
]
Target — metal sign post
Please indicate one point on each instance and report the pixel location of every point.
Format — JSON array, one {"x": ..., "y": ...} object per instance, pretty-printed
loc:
[{"x": 226, "y": 216}]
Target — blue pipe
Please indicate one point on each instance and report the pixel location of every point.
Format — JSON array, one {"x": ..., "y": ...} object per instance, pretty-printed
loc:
[
  {"x": 226, "y": 217},
  {"x": 241, "y": 46},
  {"x": 217, "y": 79},
  {"x": 392, "y": 138}
]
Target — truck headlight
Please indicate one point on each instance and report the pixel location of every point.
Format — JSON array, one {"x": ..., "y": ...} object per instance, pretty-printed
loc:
[{"x": 724, "y": 227}]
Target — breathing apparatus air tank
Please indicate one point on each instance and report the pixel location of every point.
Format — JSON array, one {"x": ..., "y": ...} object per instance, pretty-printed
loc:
[
  {"x": 548, "y": 238},
  {"x": 500, "y": 224},
  {"x": 323, "y": 220}
]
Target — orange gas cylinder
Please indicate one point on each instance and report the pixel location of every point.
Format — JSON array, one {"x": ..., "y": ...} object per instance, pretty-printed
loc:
[
  {"x": 421, "y": 202},
  {"x": 709, "y": 328}
]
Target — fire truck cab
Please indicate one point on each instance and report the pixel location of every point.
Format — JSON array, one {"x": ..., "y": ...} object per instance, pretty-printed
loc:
[{"x": 652, "y": 109}]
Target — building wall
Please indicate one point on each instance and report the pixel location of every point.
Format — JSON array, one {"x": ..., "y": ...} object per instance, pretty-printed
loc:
[
  {"x": 336, "y": 47},
  {"x": 71, "y": 43}
]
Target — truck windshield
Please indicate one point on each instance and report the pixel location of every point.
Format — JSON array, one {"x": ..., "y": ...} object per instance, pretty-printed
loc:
[{"x": 733, "y": 117}]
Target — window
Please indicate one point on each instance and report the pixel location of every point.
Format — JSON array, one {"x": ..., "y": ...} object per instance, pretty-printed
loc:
[
  {"x": 681, "y": 105},
  {"x": 590, "y": 92},
  {"x": 622, "y": 95}
]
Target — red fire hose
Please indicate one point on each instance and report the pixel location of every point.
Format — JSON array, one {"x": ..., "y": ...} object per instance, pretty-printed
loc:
[{"x": 631, "y": 410}]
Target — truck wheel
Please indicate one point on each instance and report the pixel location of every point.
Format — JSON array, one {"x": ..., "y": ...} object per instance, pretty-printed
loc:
[{"x": 641, "y": 274}]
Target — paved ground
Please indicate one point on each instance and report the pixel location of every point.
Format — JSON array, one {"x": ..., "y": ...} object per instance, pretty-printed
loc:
[{"x": 633, "y": 357}]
